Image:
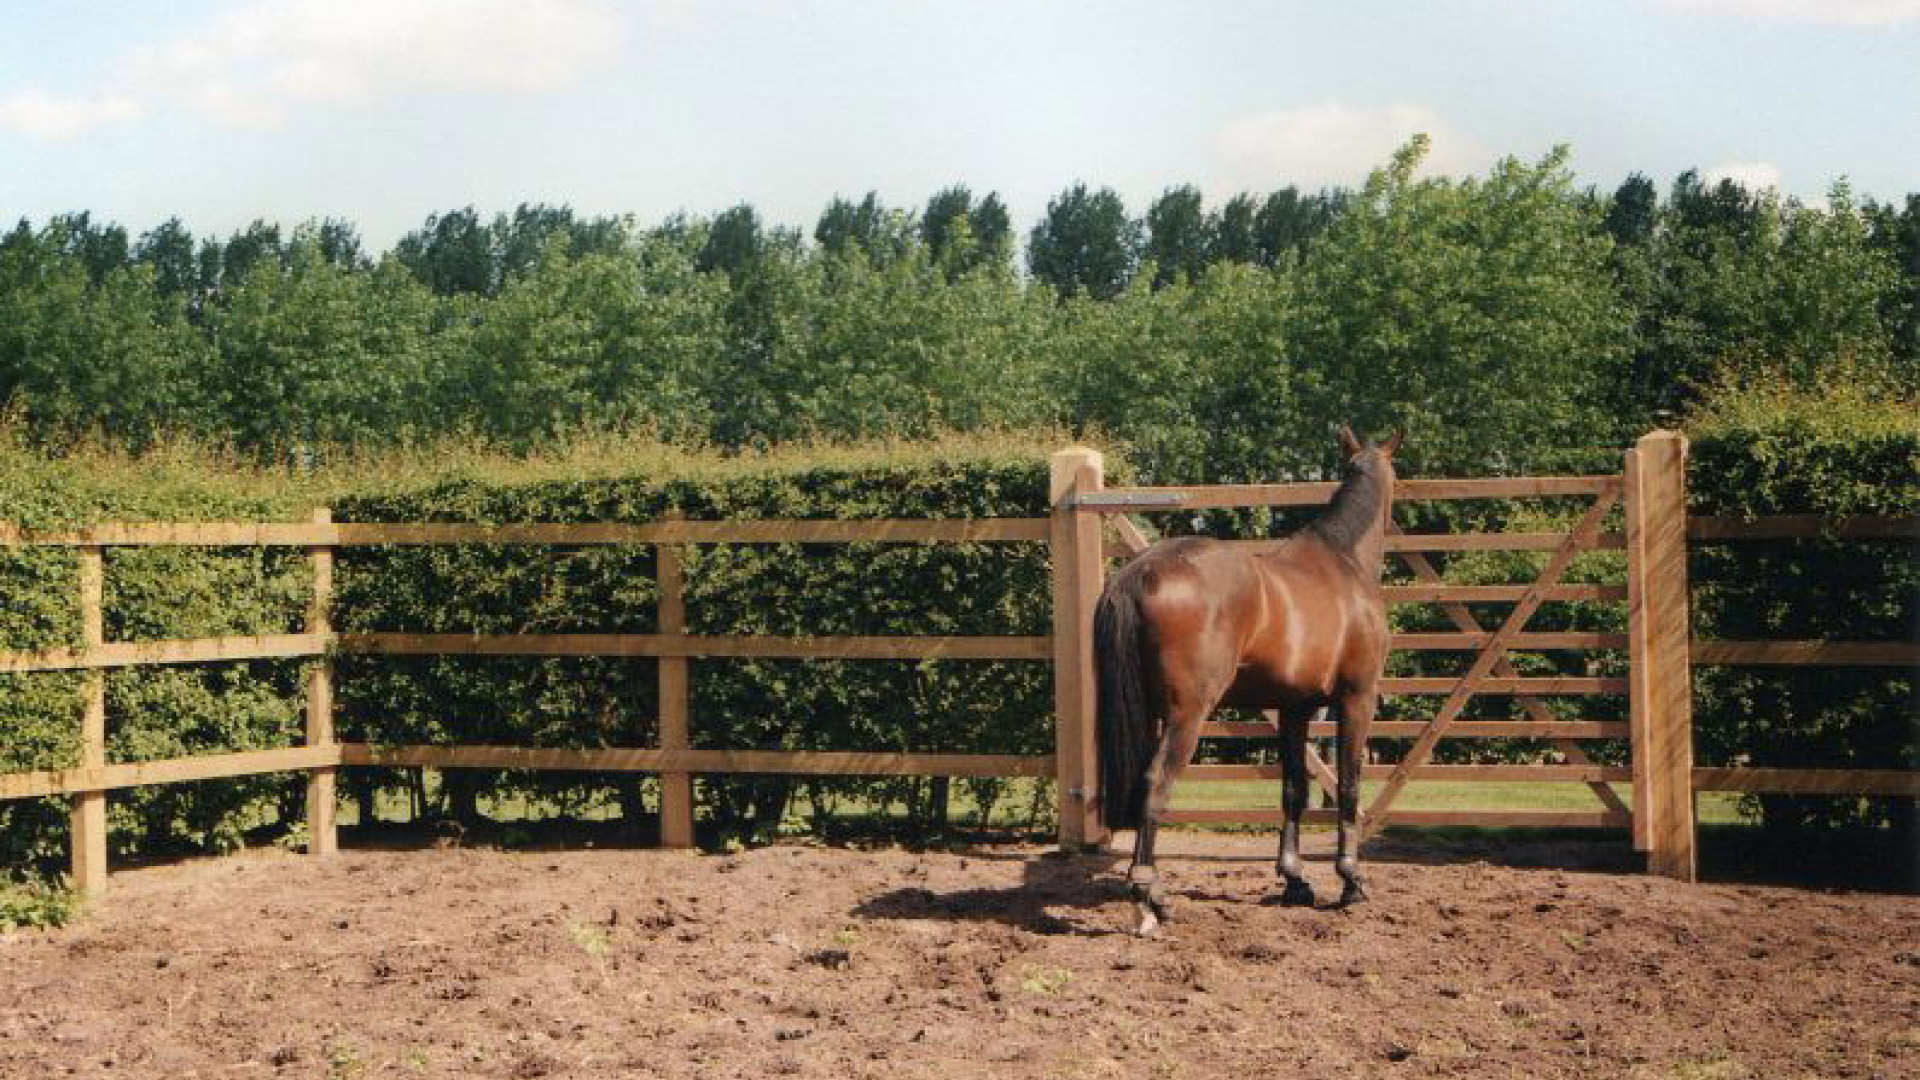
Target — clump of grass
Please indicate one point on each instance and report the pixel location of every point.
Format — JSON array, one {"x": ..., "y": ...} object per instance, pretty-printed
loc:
[
  {"x": 36, "y": 905},
  {"x": 1045, "y": 980}
]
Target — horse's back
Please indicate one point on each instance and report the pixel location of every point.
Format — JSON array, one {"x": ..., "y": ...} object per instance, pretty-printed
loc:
[{"x": 1263, "y": 627}]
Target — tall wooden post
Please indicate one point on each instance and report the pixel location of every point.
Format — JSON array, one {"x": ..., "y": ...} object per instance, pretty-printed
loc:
[
  {"x": 676, "y": 788},
  {"x": 1638, "y": 669},
  {"x": 1667, "y": 687},
  {"x": 323, "y": 836},
  {"x": 89, "y": 808},
  {"x": 1078, "y": 574}
]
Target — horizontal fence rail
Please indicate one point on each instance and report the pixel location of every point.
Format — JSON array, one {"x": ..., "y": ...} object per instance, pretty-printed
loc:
[
  {"x": 1707, "y": 527},
  {"x": 695, "y": 645},
  {"x": 188, "y": 651},
  {"x": 1250, "y": 496},
  {"x": 606, "y": 759},
  {"x": 241, "y": 534},
  {"x": 1490, "y": 818}
]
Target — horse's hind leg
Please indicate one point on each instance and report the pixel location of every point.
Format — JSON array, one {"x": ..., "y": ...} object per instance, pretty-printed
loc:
[
  {"x": 1356, "y": 715},
  {"x": 1293, "y": 800},
  {"x": 1177, "y": 744}
]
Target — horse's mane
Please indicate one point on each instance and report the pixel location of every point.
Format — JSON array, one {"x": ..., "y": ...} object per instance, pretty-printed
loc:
[{"x": 1355, "y": 509}]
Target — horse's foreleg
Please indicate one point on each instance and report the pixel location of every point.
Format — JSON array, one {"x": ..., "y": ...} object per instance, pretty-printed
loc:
[
  {"x": 1177, "y": 744},
  {"x": 1356, "y": 715},
  {"x": 1293, "y": 800}
]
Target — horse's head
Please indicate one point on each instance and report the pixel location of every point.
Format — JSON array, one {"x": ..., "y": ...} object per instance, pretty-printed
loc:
[{"x": 1369, "y": 457}]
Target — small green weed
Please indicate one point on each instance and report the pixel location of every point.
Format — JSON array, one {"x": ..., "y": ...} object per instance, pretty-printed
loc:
[
  {"x": 592, "y": 939},
  {"x": 345, "y": 1063},
  {"x": 1045, "y": 981},
  {"x": 36, "y": 905}
]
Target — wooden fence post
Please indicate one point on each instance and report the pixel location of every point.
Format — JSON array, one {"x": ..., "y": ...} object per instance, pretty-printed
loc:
[
  {"x": 1078, "y": 573},
  {"x": 89, "y": 816},
  {"x": 676, "y": 788},
  {"x": 1667, "y": 686},
  {"x": 1638, "y": 670},
  {"x": 323, "y": 836}
]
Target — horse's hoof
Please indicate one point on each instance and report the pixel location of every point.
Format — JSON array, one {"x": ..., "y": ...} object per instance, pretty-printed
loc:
[
  {"x": 1352, "y": 894},
  {"x": 1297, "y": 894},
  {"x": 1146, "y": 921}
]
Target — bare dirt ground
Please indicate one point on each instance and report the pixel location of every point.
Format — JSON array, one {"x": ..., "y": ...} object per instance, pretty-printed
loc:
[{"x": 988, "y": 962}]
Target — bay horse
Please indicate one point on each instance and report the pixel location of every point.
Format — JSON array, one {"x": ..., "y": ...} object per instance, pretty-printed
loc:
[{"x": 1194, "y": 623}]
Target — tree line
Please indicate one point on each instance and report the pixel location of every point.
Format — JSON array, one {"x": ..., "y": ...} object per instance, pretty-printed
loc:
[{"x": 1500, "y": 319}]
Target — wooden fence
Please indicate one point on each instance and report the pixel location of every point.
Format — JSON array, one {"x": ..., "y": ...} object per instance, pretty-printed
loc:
[
  {"x": 321, "y": 756},
  {"x": 1650, "y": 489}
]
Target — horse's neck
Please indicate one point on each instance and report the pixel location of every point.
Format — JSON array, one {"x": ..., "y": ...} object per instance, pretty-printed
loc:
[
  {"x": 1357, "y": 523},
  {"x": 1370, "y": 551}
]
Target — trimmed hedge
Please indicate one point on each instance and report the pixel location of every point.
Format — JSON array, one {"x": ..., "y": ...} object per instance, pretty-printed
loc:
[
  {"x": 827, "y": 589},
  {"x": 1843, "y": 451}
]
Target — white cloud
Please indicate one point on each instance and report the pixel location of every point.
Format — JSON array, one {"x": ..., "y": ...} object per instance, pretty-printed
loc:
[
  {"x": 1828, "y": 12},
  {"x": 1333, "y": 143},
  {"x": 1752, "y": 175},
  {"x": 49, "y": 117},
  {"x": 252, "y": 65}
]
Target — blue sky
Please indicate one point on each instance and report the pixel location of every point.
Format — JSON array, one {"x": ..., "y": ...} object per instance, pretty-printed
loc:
[{"x": 381, "y": 111}]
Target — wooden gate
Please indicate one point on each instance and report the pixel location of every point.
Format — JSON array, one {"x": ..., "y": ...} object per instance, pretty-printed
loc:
[{"x": 1647, "y": 497}]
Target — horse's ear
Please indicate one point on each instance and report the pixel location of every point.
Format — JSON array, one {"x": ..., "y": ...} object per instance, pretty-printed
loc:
[
  {"x": 1348, "y": 444},
  {"x": 1394, "y": 443}
]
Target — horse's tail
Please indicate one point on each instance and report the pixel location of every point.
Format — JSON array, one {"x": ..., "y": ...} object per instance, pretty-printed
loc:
[{"x": 1125, "y": 721}]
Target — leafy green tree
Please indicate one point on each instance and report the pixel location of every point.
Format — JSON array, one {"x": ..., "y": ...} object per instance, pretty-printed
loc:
[
  {"x": 1085, "y": 244},
  {"x": 898, "y": 349},
  {"x": 1723, "y": 209},
  {"x": 601, "y": 341},
  {"x": 735, "y": 242},
  {"x": 1741, "y": 281},
  {"x": 169, "y": 249},
  {"x": 102, "y": 248},
  {"x": 1192, "y": 377},
  {"x": 257, "y": 244},
  {"x": 520, "y": 239},
  {"x": 310, "y": 355},
  {"x": 339, "y": 244},
  {"x": 1177, "y": 235},
  {"x": 1233, "y": 235},
  {"x": 1896, "y": 230},
  {"x": 992, "y": 229},
  {"x": 1288, "y": 222},
  {"x": 1478, "y": 315},
  {"x": 962, "y": 235},
  {"x": 1633, "y": 212},
  {"x": 868, "y": 225},
  {"x": 452, "y": 253},
  {"x": 111, "y": 359}
]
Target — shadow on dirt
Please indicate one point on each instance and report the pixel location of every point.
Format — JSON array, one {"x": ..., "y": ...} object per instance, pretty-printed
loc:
[{"x": 1048, "y": 883}]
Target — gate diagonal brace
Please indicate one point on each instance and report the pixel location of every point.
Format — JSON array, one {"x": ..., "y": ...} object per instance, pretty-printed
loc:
[
  {"x": 1579, "y": 539},
  {"x": 1536, "y": 709}
]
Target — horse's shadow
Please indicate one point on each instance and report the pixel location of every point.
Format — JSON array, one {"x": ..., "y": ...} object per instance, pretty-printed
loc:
[{"x": 1048, "y": 883}]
